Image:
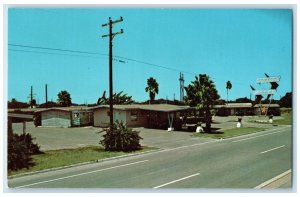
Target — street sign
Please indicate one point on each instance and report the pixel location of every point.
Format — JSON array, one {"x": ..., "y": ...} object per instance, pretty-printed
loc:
[
  {"x": 268, "y": 79},
  {"x": 263, "y": 92}
]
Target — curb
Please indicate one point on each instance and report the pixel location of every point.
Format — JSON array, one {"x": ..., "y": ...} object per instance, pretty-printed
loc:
[
  {"x": 272, "y": 180},
  {"x": 81, "y": 164}
]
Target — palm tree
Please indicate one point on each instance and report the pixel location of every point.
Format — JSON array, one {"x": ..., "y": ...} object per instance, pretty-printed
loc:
[
  {"x": 118, "y": 99},
  {"x": 202, "y": 94},
  {"x": 228, "y": 87},
  {"x": 152, "y": 88}
]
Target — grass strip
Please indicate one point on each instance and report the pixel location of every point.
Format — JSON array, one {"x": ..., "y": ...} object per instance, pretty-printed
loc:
[
  {"x": 65, "y": 157},
  {"x": 228, "y": 133},
  {"x": 286, "y": 119}
]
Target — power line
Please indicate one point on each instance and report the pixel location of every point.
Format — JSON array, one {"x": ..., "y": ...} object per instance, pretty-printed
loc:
[
  {"x": 50, "y": 53},
  {"x": 92, "y": 53},
  {"x": 98, "y": 54},
  {"x": 56, "y": 49}
]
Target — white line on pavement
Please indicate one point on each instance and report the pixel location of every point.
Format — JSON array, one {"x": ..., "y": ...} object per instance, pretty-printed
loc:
[
  {"x": 71, "y": 176},
  {"x": 264, "y": 184},
  {"x": 272, "y": 149},
  {"x": 257, "y": 136},
  {"x": 176, "y": 181}
]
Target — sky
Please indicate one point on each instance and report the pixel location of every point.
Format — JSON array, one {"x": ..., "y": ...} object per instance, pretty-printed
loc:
[{"x": 238, "y": 45}]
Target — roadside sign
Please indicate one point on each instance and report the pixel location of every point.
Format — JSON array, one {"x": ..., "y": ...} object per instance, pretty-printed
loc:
[
  {"x": 264, "y": 92},
  {"x": 268, "y": 79}
]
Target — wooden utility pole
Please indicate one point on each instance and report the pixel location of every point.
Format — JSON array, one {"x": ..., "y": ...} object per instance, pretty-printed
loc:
[
  {"x": 111, "y": 36},
  {"x": 46, "y": 92},
  {"x": 181, "y": 80}
]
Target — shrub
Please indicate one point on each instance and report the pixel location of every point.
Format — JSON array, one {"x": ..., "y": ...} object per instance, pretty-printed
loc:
[
  {"x": 32, "y": 147},
  {"x": 20, "y": 149},
  {"x": 18, "y": 156},
  {"x": 121, "y": 138}
]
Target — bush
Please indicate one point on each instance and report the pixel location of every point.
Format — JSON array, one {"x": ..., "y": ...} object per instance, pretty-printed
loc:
[
  {"x": 18, "y": 156},
  {"x": 20, "y": 149},
  {"x": 32, "y": 147},
  {"x": 121, "y": 138}
]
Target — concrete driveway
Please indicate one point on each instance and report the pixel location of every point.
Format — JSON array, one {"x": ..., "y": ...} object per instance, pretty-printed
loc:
[{"x": 50, "y": 138}]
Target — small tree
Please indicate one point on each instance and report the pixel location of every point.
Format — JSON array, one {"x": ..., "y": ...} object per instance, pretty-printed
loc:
[
  {"x": 121, "y": 138},
  {"x": 152, "y": 88},
  {"x": 64, "y": 98}
]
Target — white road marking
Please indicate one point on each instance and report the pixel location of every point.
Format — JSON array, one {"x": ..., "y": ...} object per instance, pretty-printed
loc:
[
  {"x": 272, "y": 149},
  {"x": 264, "y": 184},
  {"x": 257, "y": 136},
  {"x": 71, "y": 176},
  {"x": 176, "y": 181}
]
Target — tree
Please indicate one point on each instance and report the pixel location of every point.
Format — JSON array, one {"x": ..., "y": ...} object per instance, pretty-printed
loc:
[
  {"x": 152, "y": 88},
  {"x": 243, "y": 100},
  {"x": 49, "y": 104},
  {"x": 228, "y": 87},
  {"x": 16, "y": 104},
  {"x": 64, "y": 99},
  {"x": 202, "y": 94},
  {"x": 118, "y": 99},
  {"x": 286, "y": 101}
]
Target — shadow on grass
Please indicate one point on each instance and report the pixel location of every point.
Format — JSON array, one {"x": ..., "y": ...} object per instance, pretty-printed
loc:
[{"x": 213, "y": 131}]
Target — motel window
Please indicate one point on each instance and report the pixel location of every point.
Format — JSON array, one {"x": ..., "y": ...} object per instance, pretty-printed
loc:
[{"x": 134, "y": 115}]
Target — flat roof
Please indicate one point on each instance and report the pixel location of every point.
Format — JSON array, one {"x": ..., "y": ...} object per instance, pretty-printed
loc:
[
  {"x": 267, "y": 105},
  {"x": 148, "y": 107},
  {"x": 234, "y": 105},
  {"x": 67, "y": 109},
  {"x": 23, "y": 116},
  {"x": 244, "y": 105}
]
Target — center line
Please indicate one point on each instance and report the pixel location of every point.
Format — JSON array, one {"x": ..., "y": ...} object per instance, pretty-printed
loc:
[
  {"x": 71, "y": 176},
  {"x": 175, "y": 181},
  {"x": 272, "y": 149}
]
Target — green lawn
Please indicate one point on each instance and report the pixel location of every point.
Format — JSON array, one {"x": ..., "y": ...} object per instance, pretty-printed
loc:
[
  {"x": 228, "y": 133},
  {"x": 287, "y": 119},
  {"x": 65, "y": 157}
]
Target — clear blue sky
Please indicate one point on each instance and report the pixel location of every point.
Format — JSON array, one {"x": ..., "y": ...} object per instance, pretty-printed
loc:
[{"x": 239, "y": 45}]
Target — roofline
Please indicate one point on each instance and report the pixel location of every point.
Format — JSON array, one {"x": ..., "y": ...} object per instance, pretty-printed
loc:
[
  {"x": 23, "y": 116},
  {"x": 141, "y": 107}
]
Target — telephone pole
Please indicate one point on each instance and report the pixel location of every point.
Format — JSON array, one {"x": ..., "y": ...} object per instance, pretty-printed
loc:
[
  {"x": 46, "y": 96},
  {"x": 111, "y": 36},
  {"x": 181, "y": 80},
  {"x": 31, "y": 96}
]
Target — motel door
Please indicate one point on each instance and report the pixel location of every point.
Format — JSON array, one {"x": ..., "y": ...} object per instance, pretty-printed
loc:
[{"x": 116, "y": 116}]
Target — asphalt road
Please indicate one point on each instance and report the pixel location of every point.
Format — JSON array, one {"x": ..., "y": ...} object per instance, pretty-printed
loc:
[{"x": 241, "y": 162}]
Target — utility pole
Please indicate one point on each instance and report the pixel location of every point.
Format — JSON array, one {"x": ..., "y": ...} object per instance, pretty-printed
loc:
[
  {"x": 46, "y": 91},
  {"x": 31, "y": 97},
  {"x": 111, "y": 36},
  {"x": 181, "y": 80}
]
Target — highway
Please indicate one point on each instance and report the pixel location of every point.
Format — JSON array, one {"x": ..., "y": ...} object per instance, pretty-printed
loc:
[{"x": 241, "y": 162}]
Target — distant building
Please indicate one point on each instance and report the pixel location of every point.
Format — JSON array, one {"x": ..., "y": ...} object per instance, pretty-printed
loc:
[
  {"x": 246, "y": 109},
  {"x": 66, "y": 117},
  {"x": 235, "y": 108},
  {"x": 160, "y": 116}
]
